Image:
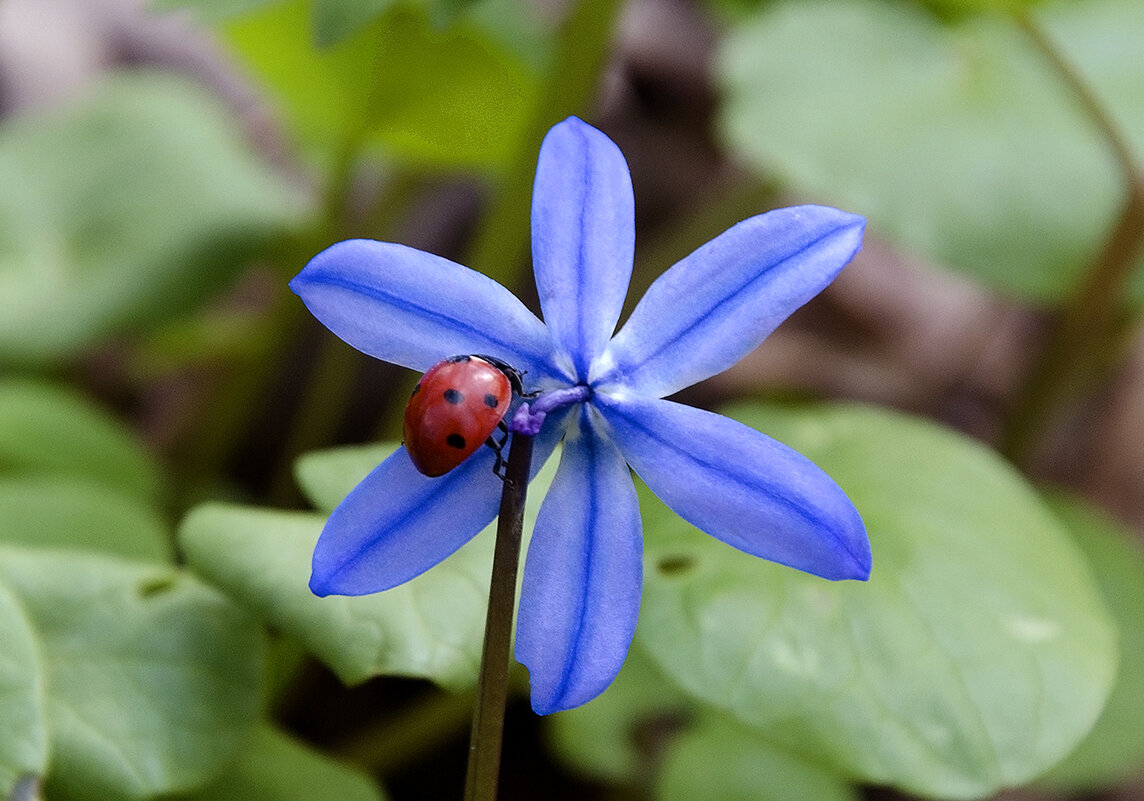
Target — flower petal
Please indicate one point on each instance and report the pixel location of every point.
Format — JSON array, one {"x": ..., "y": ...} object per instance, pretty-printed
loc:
[
  {"x": 583, "y": 239},
  {"x": 716, "y": 305},
  {"x": 397, "y": 523},
  {"x": 740, "y": 486},
  {"x": 412, "y": 308},
  {"x": 582, "y": 577}
]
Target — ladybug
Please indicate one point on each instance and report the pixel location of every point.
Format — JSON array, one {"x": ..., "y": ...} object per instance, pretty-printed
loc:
[{"x": 455, "y": 408}]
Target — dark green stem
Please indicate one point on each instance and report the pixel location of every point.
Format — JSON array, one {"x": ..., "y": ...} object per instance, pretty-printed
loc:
[
  {"x": 492, "y": 688},
  {"x": 1087, "y": 335}
]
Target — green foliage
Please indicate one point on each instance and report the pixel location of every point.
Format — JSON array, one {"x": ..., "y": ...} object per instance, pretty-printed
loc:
[
  {"x": 615, "y": 736},
  {"x": 335, "y": 20},
  {"x": 978, "y": 654},
  {"x": 429, "y": 627},
  {"x": 720, "y": 760},
  {"x": 142, "y": 680},
  {"x": 430, "y": 96},
  {"x": 73, "y": 513},
  {"x": 956, "y": 140},
  {"x": 132, "y": 205},
  {"x": 1115, "y": 747},
  {"x": 645, "y": 731},
  {"x": 275, "y": 767},
  {"x": 46, "y": 429},
  {"x": 24, "y": 736}
]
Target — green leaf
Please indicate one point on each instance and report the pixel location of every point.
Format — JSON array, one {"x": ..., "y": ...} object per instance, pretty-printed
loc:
[
  {"x": 335, "y": 20},
  {"x": 24, "y": 735},
  {"x": 978, "y": 654},
  {"x": 151, "y": 679},
  {"x": 720, "y": 760},
  {"x": 956, "y": 140},
  {"x": 430, "y": 96},
  {"x": 276, "y": 767},
  {"x": 429, "y": 627},
  {"x": 73, "y": 513},
  {"x": 133, "y": 205},
  {"x": 327, "y": 476},
  {"x": 614, "y": 737},
  {"x": 46, "y": 429},
  {"x": 1115, "y": 748}
]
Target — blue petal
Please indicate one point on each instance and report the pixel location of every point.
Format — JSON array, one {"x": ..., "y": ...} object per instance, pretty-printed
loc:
[
  {"x": 740, "y": 486},
  {"x": 397, "y": 523},
  {"x": 582, "y": 578},
  {"x": 412, "y": 308},
  {"x": 583, "y": 239},
  {"x": 719, "y": 303}
]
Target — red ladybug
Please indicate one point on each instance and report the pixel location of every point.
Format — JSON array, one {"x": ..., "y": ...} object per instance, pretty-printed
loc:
[{"x": 455, "y": 408}]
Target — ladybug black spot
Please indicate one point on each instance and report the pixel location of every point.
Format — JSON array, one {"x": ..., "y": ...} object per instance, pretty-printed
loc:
[
  {"x": 491, "y": 400},
  {"x": 455, "y": 441},
  {"x": 454, "y": 396}
]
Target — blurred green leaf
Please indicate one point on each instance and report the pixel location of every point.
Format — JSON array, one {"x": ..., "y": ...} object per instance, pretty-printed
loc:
[
  {"x": 429, "y": 627},
  {"x": 960, "y": 8},
  {"x": 616, "y": 737},
  {"x": 978, "y": 654},
  {"x": 24, "y": 733},
  {"x": 275, "y": 767},
  {"x": 956, "y": 140},
  {"x": 1115, "y": 747},
  {"x": 335, "y": 20},
  {"x": 430, "y": 96},
  {"x": 151, "y": 679},
  {"x": 75, "y": 513},
  {"x": 720, "y": 760},
  {"x": 327, "y": 476},
  {"x": 46, "y": 429},
  {"x": 136, "y": 203}
]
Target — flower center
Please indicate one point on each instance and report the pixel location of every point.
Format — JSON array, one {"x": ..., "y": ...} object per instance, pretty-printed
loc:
[{"x": 529, "y": 416}]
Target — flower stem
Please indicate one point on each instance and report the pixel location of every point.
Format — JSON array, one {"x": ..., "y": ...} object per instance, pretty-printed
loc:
[
  {"x": 1089, "y": 330},
  {"x": 492, "y": 688}
]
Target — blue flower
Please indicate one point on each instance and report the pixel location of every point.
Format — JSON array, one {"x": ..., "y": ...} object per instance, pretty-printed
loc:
[{"x": 583, "y": 572}]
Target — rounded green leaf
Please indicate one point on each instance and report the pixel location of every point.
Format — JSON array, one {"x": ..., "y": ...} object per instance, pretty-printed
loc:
[
  {"x": 720, "y": 760},
  {"x": 956, "y": 140},
  {"x": 429, "y": 627},
  {"x": 132, "y": 205},
  {"x": 75, "y": 513},
  {"x": 151, "y": 679},
  {"x": 24, "y": 733},
  {"x": 327, "y": 476},
  {"x": 275, "y": 767},
  {"x": 49, "y": 429},
  {"x": 426, "y": 94},
  {"x": 978, "y": 654},
  {"x": 1115, "y": 747},
  {"x": 614, "y": 737}
]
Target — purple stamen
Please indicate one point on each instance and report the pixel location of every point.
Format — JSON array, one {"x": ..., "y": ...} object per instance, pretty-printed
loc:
[{"x": 529, "y": 416}]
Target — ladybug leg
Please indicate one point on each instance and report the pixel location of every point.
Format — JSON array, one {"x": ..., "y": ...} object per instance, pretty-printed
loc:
[{"x": 500, "y": 467}]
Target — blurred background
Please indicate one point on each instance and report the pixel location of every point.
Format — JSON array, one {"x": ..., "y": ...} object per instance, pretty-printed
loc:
[{"x": 165, "y": 169}]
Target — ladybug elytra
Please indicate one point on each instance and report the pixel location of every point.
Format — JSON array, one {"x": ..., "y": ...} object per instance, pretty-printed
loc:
[{"x": 455, "y": 408}]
